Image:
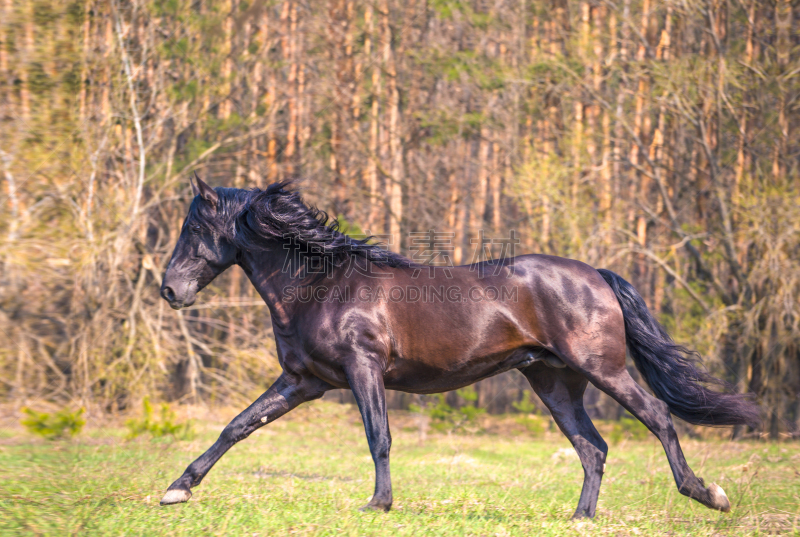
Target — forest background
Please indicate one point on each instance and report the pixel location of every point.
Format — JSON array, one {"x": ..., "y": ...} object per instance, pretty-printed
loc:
[{"x": 651, "y": 137}]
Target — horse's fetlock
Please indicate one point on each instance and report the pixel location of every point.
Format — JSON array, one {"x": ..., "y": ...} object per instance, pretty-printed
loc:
[{"x": 693, "y": 489}]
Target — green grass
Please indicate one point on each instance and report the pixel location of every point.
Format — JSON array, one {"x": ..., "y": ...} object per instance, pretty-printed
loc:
[{"x": 308, "y": 474}]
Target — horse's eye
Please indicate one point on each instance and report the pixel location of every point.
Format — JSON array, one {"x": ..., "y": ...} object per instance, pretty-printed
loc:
[{"x": 194, "y": 228}]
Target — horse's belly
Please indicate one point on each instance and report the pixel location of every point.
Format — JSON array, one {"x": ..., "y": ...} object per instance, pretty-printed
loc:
[{"x": 426, "y": 376}]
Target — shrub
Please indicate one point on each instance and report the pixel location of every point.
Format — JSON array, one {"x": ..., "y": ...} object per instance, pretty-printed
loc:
[
  {"x": 165, "y": 426},
  {"x": 629, "y": 428},
  {"x": 525, "y": 406},
  {"x": 446, "y": 418},
  {"x": 536, "y": 425},
  {"x": 528, "y": 416},
  {"x": 62, "y": 424}
]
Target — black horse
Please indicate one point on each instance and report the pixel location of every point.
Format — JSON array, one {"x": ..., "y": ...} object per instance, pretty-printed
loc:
[{"x": 367, "y": 319}]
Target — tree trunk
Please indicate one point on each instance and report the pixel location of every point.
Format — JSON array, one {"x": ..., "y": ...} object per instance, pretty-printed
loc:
[
  {"x": 289, "y": 17},
  {"x": 783, "y": 28},
  {"x": 395, "y": 182},
  {"x": 374, "y": 120}
]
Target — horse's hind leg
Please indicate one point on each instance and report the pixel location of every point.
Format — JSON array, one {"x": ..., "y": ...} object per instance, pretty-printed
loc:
[
  {"x": 562, "y": 391},
  {"x": 654, "y": 413},
  {"x": 285, "y": 394}
]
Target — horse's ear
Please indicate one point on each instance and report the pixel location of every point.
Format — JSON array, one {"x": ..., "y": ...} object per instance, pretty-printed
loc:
[
  {"x": 195, "y": 190},
  {"x": 206, "y": 192}
]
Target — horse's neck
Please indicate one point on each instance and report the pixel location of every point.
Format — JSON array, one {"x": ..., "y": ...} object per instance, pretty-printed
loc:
[{"x": 265, "y": 270}]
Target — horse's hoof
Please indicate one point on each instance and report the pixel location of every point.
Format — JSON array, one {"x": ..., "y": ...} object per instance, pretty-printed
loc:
[
  {"x": 375, "y": 507},
  {"x": 176, "y": 496},
  {"x": 719, "y": 500},
  {"x": 582, "y": 515}
]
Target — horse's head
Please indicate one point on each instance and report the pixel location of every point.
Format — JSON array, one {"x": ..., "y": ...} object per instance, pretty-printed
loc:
[{"x": 202, "y": 252}]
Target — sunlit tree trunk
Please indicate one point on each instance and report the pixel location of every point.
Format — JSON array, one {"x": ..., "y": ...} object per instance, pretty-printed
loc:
[
  {"x": 783, "y": 28},
  {"x": 289, "y": 17},
  {"x": 580, "y": 109},
  {"x": 270, "y": 99},
  {"x": 460, "y": 211},
  {"x": 741, "y": 153},
  {"x": 226, "y": 73},
  {"x": 640, "y": 185},
  {"x": 371, "y": 169},
  {"x": 495, "y": 186},
  {"x": 596, "y": 112},
  {"x": 619, "y": 130},
  {"x": 478, "y": 205},
  {"x": 345, "y": 95},
  {"x": 395, "y": 181}
]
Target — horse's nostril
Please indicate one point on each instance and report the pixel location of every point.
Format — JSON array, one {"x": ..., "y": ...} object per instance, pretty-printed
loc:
[{"x": 168, "y": 294}]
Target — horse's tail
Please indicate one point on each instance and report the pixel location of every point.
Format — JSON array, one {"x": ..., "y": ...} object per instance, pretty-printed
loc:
[{"x": 670, "y": 369}]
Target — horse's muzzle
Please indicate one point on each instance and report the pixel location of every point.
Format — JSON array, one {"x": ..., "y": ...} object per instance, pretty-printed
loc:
[
  {"x": 169, "y": 295},
  {"x": 176, "y": 303}
]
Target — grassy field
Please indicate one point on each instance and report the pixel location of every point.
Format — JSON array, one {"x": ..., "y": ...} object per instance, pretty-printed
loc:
[{"x": 308, "y": 474}]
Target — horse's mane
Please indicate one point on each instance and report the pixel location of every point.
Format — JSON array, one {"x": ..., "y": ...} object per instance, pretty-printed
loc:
[{"x": 255, "y": 219}]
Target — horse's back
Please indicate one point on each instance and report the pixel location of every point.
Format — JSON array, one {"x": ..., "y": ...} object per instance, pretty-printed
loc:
[{"x": 496, "y": 316}]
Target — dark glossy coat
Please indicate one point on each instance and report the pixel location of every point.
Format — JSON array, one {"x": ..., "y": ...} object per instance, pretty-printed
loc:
[{"x": 560, "y": 322}]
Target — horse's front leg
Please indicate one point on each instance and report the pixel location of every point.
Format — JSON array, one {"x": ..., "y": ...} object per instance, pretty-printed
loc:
[
  {"x": 285, "y": 394},
  {"x": 366, "y": 381}
]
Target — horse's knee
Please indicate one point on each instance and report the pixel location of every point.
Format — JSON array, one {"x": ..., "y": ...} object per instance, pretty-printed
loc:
[
  {"x": 232, "y": 433},
  {"x": 661, "y": 408},
  {"x": 593, "y": 436},
  {"x": 228, "y": 435},
  {"x": 661, "y": 422},
  {"x": 383, "y": 445},
  {"x": 592, "y": 457}
]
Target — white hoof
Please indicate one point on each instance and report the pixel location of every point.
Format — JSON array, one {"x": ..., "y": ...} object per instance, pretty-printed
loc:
[
  {"x": 176, "y": 496},
  {"x": 719, "y": 498}
]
